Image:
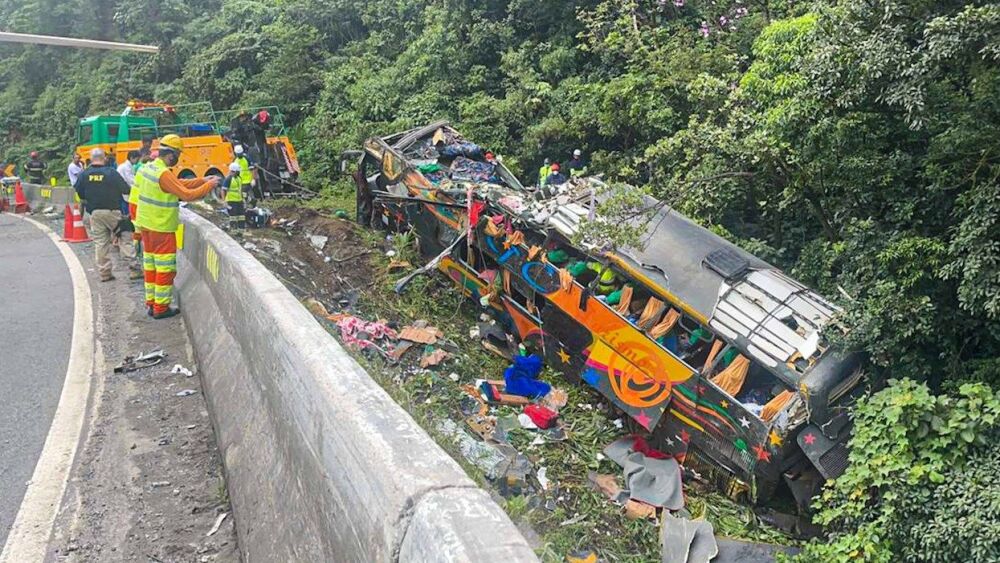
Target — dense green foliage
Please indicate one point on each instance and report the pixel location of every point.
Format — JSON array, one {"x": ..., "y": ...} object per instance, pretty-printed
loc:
[
  {"x": 850, "y": 141},
  {"x": 924, "y": 482}
]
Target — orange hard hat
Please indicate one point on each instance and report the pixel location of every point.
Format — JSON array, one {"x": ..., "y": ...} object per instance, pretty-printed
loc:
[{"x": 555, "y": 167}]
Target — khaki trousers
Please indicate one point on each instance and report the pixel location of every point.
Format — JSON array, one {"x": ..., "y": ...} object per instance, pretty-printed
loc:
[{"x": 103, "y": 223}]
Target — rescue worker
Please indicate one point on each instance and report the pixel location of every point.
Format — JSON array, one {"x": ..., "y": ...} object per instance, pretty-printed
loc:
[
  {"x": 34, "y": 168},
  {"x": 576, "y": 166},
  {"x": 556, "y": 177},
  {"x": 101, "y": 190},
  {"x": 234, "y": 186},
  {"x": 543, "y": 173},
  {"x": 246, "y": 169},
  {"x": 145, "y": 157},
  {"x": 160, "y": 193}
]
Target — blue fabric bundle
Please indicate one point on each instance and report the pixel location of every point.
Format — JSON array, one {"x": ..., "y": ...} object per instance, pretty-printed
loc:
[{"x": 522, "y": 377}]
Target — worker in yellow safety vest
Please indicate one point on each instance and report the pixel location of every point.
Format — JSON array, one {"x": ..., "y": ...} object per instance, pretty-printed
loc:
[
  {"x": 246, "y": 168},
  {"x": 157, "y": 216},
  {"x": 234, "y": 186},
  {"x": 543, "y": 173}
]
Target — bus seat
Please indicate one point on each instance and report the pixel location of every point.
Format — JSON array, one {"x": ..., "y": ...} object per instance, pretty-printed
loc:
[{"x": 732, "y": 378}]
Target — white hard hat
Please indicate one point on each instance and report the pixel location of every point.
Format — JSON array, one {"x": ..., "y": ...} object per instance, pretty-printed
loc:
[
  {"x": 577, "y": 152},
  {"x": 97, "y": 153},
  {"x": 235, "y": 167},
  {"x": 238, "y": 149}
]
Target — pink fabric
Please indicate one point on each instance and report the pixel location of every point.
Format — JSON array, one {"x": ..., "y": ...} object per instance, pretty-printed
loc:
[{"x": 350, "y": 327}]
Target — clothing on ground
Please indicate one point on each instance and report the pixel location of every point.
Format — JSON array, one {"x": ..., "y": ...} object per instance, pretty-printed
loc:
[
  {"x": 101, "y": 187},
  {"x": 159, "y": 265},
  {"x": 522, "y": 377}
]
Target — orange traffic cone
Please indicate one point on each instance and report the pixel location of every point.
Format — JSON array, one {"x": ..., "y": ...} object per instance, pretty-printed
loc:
[
  {"x": 73, "y": 229},
  {"x": 20, "y": 202}
]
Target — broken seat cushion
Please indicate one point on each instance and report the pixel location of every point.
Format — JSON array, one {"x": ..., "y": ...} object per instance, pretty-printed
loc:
[{"x": 649, "y": 480}]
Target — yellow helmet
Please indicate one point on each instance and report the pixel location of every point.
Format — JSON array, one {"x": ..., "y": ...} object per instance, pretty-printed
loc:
[{"x": 172, "y": 142}]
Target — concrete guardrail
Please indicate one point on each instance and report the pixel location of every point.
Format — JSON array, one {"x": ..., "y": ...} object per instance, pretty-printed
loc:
[
  {"x": 41, "y": 196},
  {"x": 322, "y": 465}
]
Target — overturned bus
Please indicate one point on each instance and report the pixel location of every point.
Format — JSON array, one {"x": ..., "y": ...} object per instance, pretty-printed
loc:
[{"x": 718, "y": 355}]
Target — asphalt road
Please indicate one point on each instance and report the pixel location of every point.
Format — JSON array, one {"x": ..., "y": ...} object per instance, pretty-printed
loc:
[{"x": 36, "y": 325}]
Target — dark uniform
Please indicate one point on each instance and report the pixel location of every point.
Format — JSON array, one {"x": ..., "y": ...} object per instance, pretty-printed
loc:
[{"x": 34, "y": 169}]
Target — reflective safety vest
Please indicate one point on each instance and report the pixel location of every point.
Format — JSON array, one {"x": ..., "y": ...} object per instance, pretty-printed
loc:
[
  {"x": 608, "y": 279},
  {"x": 543, "y": 175},
  {"x": 574, "y": 172},
  {"x": 234, "y": 194},
  {"x": 158, "y": 210},
  {"x": 133, "y": 194},
  {"x": 246, "y": 176}
]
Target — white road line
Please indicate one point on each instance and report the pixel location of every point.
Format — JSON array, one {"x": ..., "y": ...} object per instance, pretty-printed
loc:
[{"x": 29, "y": 537}]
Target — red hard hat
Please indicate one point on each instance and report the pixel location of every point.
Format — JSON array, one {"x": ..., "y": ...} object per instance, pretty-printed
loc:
[
  {"x": 34, "y": 154},
  {"x": 263, "y": 116},
  {"x": 555, "y": 167}
]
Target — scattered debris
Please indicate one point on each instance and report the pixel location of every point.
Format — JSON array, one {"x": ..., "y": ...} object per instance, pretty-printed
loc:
[
  {"x": 318, "y": 241},
  {"x": 130, "y": 363},
  {"x": 687, "y": 541},
  {"x": 542, "y": 417},
  {"x": 363, "y": 334},
  {"x": 522, "y": 377},
  {"x": 420, "y": 334},
  {"x": 494, "y": 392},
  {"x": 185, "y": 393},
  {"x": 635, "y": 510},
  {"x": 555, "y": 399},
  {"x": 159, "y": 484},
  {"x": 608, "y": 484},
  {"x": 651, "y": 480},
  {"x": 181, "y": 370},
  {"x": 584, "y": 556},
  {"x": 525, "y": 421},
  {"x": 397, "y": 265},
  {"x": 433, "y": 358},
  {"x": 218, "y": 523},
  {"x": 315, "y": 307},
  {"x": 486, "y": 457},
  {"x": 543, "y": 479}
]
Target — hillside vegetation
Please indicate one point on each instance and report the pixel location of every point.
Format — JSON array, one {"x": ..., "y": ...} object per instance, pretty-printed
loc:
[{"x": 852, "y": 142}]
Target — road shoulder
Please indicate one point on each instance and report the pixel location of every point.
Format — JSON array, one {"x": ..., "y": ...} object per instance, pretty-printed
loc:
[{"x": 148, "y": 482}]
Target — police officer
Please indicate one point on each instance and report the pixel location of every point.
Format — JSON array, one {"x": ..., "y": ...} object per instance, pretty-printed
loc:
[{"x": 102, "y": 189}]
